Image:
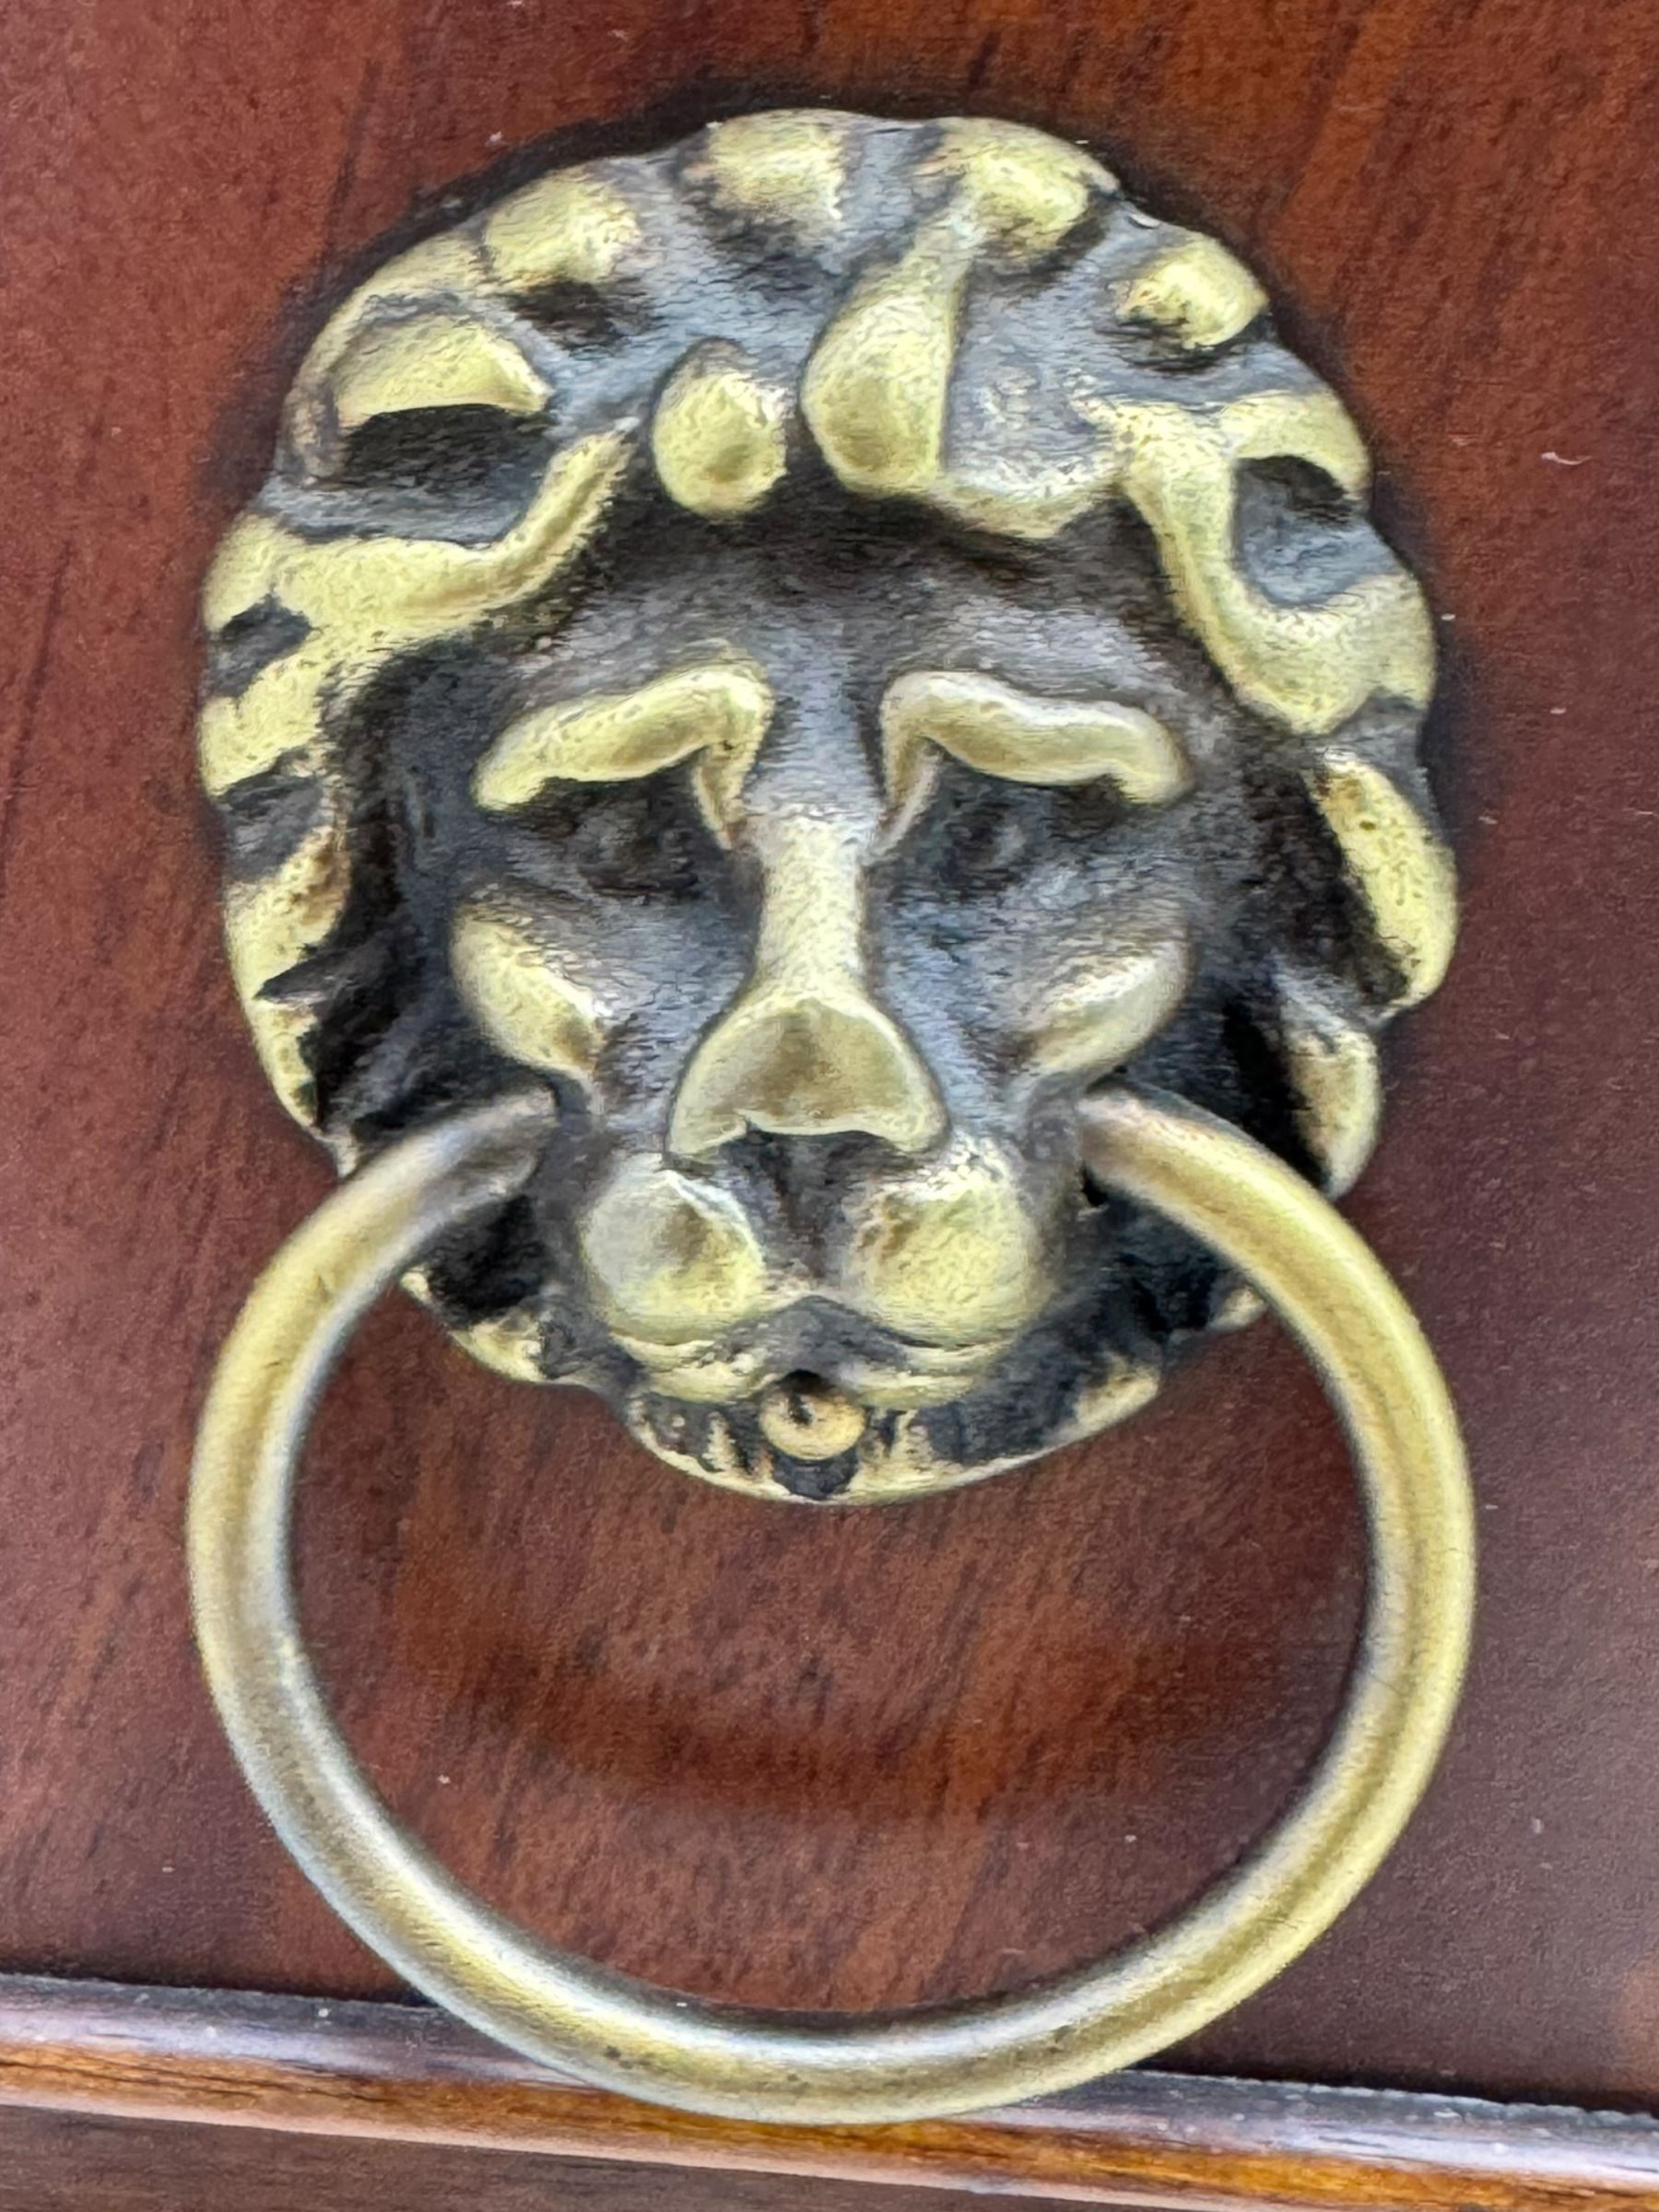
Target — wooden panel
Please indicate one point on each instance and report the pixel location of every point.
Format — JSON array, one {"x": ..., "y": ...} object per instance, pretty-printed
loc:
[
  {"x": 381, "y": 2082},
  {"x": 883, "y": 1757},
  {"x": 62, "y": 2162}
]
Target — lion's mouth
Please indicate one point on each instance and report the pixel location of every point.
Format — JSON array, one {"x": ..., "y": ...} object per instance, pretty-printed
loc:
[{"x": 836, "y": 1349}]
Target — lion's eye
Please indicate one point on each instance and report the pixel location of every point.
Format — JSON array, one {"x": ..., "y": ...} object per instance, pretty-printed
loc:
[
  {"x": 984, "y": 838},
  {"x": 634, "y": 840}
]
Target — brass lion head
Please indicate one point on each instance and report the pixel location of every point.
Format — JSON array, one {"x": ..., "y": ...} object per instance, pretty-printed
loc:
[{"x": 820, "y": 644}]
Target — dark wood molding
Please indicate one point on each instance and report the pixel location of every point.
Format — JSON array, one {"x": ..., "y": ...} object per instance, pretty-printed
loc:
[{"x": 401, "y": 2073}]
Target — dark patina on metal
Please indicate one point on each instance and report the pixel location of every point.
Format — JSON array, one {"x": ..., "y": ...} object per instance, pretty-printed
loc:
[{"x": 822, "y": 643}]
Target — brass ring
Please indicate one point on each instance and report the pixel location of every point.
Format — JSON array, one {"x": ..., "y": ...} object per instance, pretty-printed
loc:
[{"x": 769, "y": 2066}]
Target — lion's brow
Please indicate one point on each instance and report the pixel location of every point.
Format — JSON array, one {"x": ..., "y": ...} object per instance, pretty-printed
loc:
[
  {"x": 717, "y": 709},
  {"x": 1023, "y": 739}
]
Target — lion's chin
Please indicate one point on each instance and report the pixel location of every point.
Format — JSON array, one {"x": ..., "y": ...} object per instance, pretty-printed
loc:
[
  {"x": 814, "y": 1401},
  {"x": 851, "y": 1426},
  {"x": 860, "y": 1453}
]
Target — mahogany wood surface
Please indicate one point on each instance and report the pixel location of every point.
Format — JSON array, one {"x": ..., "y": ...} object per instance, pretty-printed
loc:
[
  {"x": 62, "y": 2162},
  {"x": 405, "y": 2095},
  {"x": 886, "y": 1756}
]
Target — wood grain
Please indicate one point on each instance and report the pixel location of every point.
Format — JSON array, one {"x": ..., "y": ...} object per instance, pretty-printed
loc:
[
  {"x": 883, "y": 1757},
  {"x": 65, "y": 2161},
  {"x": 373, "y": 2076}
]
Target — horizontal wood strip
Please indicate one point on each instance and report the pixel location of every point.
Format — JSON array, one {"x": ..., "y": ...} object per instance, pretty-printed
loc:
[{"x": 404, "y": 2074}]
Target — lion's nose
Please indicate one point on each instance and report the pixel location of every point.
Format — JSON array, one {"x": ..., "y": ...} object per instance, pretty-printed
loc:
[
  {"x": 803, "y": 1050},
  {"x": 805, "y": 1064}
]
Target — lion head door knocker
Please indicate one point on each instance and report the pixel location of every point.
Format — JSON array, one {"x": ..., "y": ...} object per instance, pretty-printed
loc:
[{"x": 819, "y": 764}]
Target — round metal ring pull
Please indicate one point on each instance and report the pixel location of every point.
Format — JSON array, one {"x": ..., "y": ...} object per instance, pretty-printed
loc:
[{"x": 1198, "y": 1172}]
